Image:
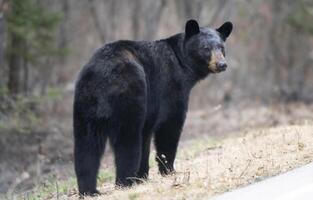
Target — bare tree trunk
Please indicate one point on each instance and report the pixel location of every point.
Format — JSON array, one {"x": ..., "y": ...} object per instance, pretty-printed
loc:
[
  {"x": 15, "y": 66},
  {"x": 113, "y": 5},
  {"x": 187, "y": 9},
  {"x": 96, "y": 19},
  {"x": 283, "y": 58},
  {"x": 3, "y": 9},
  {"x": 136, "y": 18},
  {"x": 273, "y": 53},
  {"x": 153, "y": 12},
  {"x": 63, "y": 40},
  {"x": 46, "y": 74},
  {"x": 25, "y": 71},
  {"x": 220, "y": 6},
  {"x": 2, "y": 46}
]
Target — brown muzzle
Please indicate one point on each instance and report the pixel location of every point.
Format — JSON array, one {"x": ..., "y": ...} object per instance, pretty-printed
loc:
[{"x": 217, "y": 62}]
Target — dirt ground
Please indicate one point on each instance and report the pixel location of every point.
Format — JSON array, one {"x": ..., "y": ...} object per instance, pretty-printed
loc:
[{"x": 28, "y": 159}]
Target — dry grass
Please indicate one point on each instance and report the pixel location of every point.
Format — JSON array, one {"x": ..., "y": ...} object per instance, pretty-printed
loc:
[{"x": 212, "y": 169}]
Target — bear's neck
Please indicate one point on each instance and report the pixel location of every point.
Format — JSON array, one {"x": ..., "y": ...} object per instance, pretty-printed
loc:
[{"x": 191, "y": 71}]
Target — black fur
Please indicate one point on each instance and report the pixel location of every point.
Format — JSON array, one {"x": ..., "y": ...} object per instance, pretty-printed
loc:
[
  {"x": 225, "y": 30},
  {"x": 130, "y": 90},
  {"x": 192, "y": 28}
]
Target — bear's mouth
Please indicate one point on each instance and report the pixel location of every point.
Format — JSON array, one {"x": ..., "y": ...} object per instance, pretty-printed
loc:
[
  {"x": 221, "y": 68},
  {"x": 216, "y": 70}
]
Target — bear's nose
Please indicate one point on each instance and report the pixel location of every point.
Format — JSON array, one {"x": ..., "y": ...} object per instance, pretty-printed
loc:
[{"x": 221, "y": 66}]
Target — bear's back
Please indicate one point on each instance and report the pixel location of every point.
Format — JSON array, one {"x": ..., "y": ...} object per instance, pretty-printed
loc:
[{"x": 113, "y": 70}]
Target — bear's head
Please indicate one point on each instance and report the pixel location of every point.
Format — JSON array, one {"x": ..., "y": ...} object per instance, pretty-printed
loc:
[{"x": 204, "y": 47}]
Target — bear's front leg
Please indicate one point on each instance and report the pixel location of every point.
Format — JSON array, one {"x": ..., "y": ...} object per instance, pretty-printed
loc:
[
  {"x": 127, "y": 160},
  {"x": 166, "y": 142}
]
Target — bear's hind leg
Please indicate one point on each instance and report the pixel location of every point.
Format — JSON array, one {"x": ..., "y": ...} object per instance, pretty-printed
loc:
[
  {"x": 126, "y": 139},
  {"x": 143, "y": 172},
  {"x": 127, "y": 159},
  {"x": 88, "y": 149}
]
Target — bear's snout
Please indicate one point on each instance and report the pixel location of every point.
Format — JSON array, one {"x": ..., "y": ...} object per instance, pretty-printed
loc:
[
  {"x": 217, "y": 62},
  {"x": 221, "y": 66}
]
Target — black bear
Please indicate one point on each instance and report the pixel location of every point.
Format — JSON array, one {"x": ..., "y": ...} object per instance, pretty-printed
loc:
[{"x": 130, "y": 91}]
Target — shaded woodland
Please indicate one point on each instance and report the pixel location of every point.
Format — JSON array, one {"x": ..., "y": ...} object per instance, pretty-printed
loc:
[{"x": 45, "y": 43}]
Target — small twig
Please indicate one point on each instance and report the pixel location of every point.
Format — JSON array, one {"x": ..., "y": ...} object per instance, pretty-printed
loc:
[
  {"x": 161, "y": 161},
  {"x": 186, "y": 177},
  {"x": 57, "y": 187},
  {"x": 245, "y": 169}
]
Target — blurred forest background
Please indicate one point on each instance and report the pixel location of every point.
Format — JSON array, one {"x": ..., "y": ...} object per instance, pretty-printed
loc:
[{"x": 44, "y": 44}]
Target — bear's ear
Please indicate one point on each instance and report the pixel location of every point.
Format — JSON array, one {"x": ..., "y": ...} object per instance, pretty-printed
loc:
[
  {"x": 225, "y": 30},
  {"x": 192, "y": 28}
]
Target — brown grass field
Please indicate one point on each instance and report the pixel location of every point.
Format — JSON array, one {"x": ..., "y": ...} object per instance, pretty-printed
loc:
[{"x": 207, "y": 167}]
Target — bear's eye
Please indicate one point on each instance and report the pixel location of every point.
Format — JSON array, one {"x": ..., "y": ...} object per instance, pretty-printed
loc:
[
  {"x": 207, "y": 48},
  {"x": 220, "y": 46}
]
